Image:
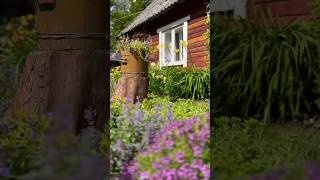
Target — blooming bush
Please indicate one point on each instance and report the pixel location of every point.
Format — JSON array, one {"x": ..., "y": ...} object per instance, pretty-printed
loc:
[
  {"x": 139, "y": 47},
  {"x": 31, "y": 148},
  {"x": 131, "y": 129},
  {"x": 179, "y": 151}
]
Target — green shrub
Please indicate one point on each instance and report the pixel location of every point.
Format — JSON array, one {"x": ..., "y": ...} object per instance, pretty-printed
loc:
[
  {"x": 179, "y": 82},
  {"x": 115, "y": 75},
  {"x": 241, "y": 148},
  {"x": 182, "y": 108},
  {"x": 17, "y": 39},
  {"x": 21, "y": 141},
  {"x": 266, "y": 71}
]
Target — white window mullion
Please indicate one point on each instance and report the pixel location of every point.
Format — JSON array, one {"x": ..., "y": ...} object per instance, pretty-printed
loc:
[
  {"x": 160, "y": 49},
  {"x": 173, "y": 47}
]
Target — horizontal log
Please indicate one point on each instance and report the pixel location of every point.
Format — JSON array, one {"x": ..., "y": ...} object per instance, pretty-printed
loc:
[
  {"x": 195, "y": 35},
  {"x": 197, "y": 44},
  {"x": 198, "y": 49},
  {"x": 197, "y": 19},
  {"x": 197, "y": 39},
  {"x": 198, "y": 29},
  {"x": 197, "y": 24},
  {"x": 198, "y": 54}
]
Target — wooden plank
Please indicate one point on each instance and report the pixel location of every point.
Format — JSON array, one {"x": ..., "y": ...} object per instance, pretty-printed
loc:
[
  {"x": 197, "y": 44},
  {"x": 198, "y": 29},
  {"x": 197, "y": 39},
  {"x": 198, "y": 54},
  {"x": 198, "y": 59},
  {"x": 197, "y": 19},
  {"x": 281, "y": 8},
  {"x": 196, "y": 24},
  {"x": 194, "y": 35},
  {"x": 198, "y": 49}
]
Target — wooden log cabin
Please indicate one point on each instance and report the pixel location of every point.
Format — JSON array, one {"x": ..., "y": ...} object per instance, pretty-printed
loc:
[
  {"x": 170, "y": 21},
  {"x": 280, "y": 11},
  {"x": 177, "y": 30}
]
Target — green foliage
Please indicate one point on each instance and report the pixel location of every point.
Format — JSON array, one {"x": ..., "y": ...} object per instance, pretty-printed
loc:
[
  {"x": 316, "y": 7},
  {"x": 241, "y": 148},
  {"x": 266, "y": 71},
  {"x": 131, "y": 124},
  {"x": 115, "y": 75},
  {"x": 21, "y": 139},
  {"x": 179, "y": 82},
  {"x": 124, "y": 12},
  {"x": 17, "y": 39},
  {"x": 140, "y": 48},
  {"x": 182, "y": 108}
]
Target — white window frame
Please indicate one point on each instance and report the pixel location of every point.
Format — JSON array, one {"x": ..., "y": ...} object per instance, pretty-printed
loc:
[
  {"x": 172, "y": 27},
  {"x": 237, "y": 6}
]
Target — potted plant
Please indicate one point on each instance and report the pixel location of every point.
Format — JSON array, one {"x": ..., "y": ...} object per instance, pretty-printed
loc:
[{"x": 137, "y": 54}]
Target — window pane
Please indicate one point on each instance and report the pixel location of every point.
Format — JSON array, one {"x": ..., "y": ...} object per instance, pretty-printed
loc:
[
  {"x": 179, "y": 43},
  {"x": 167, "y": 46}
]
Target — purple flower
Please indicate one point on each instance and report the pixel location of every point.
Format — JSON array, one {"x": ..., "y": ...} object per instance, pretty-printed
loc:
[
  {"x": 145, "y": 175},
  {"x": 180, "y": 157},
  {"x": 197, "y": 150},
  {"x": 313, "y": 171},
  {"x": 4, "y": 172},
  {"x": 165, "y": 160},
  {"x": 169, "y": 144},
  {"x": 157, "y": 165}
]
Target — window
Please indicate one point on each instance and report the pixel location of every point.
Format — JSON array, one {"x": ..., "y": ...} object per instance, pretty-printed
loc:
[
  {"x": 172, "y": 43},
  {"x": 236, "y": 7}
]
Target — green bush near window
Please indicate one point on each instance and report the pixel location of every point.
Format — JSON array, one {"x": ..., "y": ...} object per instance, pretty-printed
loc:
[
  {"x": 267, "y": 71},
  {"x": 179, "y": 82}
]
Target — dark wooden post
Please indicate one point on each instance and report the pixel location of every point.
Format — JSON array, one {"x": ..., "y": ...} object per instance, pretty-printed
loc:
[{"x": 70, "y": 69}]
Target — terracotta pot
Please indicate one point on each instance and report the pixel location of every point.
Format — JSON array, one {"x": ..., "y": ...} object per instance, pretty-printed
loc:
[{"x": 134, "y": 64}]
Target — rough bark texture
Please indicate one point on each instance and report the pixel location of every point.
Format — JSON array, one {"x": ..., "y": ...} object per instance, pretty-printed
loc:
[
  {"x": 68, "y": 74},
  {"x": 134, "y": 81},
  {"x": 72, "y": 79},
  {"x": 132, "y": 87}
]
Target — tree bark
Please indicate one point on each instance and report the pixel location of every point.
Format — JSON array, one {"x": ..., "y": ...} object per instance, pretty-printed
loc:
[{"x": 68, "y": 75}]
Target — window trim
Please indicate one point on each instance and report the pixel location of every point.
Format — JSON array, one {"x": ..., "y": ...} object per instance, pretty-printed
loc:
[{"x": 171, "y": 27}]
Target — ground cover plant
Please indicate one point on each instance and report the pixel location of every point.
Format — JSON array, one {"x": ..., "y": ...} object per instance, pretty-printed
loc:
[
  {"x": 179, "y": 151},
  {"x": 134, "y": 126},
  {"x": 247, "y": 147}
]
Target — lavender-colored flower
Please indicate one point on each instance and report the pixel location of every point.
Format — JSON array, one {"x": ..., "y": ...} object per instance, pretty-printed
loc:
[
  {"x": 145, "y": 175},
  {"x": 169, "y": 144},
  {"x": 170, "y": 112},
  {"x": 165, "y": 160},
  {"x": 312, "y": 171},
  {"x": 4, "y": 172},
  {"x": 180, "y": 157}
]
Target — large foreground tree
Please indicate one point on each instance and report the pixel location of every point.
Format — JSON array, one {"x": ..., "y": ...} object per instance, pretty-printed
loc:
[{"x": 68, "y": 75}]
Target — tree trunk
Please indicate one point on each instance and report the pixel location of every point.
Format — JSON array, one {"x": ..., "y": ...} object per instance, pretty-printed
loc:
[
  {"x": 68, "y": 74},
  {"x": 134, "y": 80}
]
